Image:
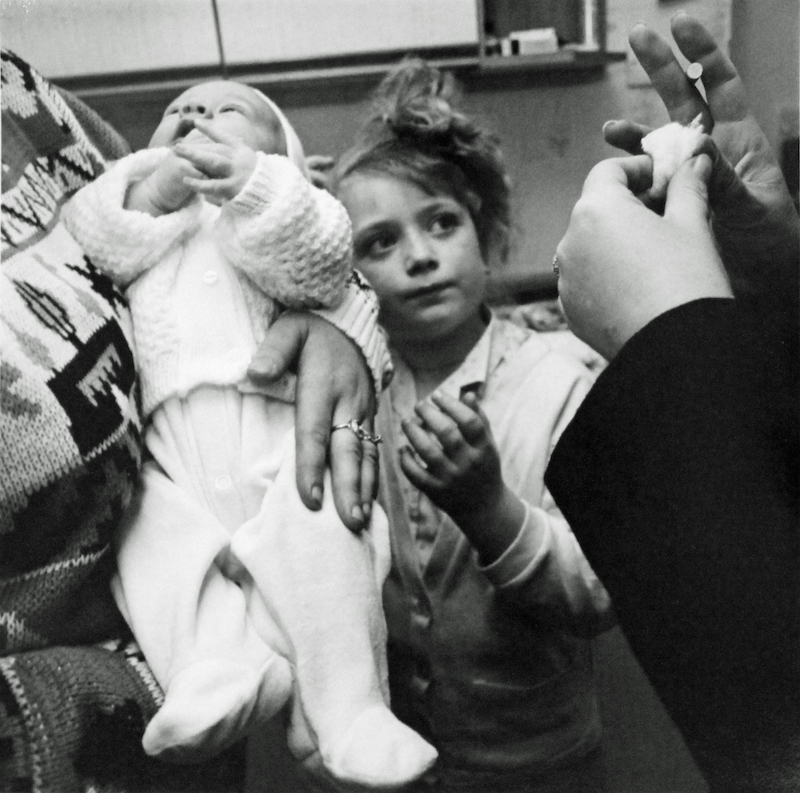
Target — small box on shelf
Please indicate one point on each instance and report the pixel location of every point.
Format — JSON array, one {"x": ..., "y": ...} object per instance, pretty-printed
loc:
[{"x": 516, "y": 35}]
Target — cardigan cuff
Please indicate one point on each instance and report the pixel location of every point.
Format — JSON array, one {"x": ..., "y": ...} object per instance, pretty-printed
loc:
[
  {"x": 357, "y": 318},
  {"x": 273, "y": 174},
  {"x": 292, "y": 239},
  {"x": 526, "y": 553},
  {"x": 125, "y": 242}
]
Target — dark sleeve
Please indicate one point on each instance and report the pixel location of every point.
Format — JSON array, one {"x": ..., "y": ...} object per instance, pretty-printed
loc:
[{"x": 679, "y": 476}]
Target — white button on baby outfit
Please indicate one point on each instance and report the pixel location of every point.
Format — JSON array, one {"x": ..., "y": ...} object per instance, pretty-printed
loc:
[
  {"x": 210, "y": 277},
  {"x": 223, "y": 482}
]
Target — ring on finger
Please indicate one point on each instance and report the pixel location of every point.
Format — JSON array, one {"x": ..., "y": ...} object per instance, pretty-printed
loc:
[
  {"x": 556, "y": 268},
  {"x": 358, "y": 431}
]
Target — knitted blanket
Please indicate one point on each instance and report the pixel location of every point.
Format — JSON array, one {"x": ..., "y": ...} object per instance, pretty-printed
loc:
[{"x": 75, "y": 692}]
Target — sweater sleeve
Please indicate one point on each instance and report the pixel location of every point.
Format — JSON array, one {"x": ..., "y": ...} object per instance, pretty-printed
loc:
[
  {"x": 292, "y": 239},
  {"x": 125, "y": 243},
  {"x": 679, "y": 477},
  {"x": 357, "y": 317},
  {"x": 544, "y": 571}
]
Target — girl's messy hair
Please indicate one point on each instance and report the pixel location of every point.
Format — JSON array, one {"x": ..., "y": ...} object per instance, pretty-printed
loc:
[{"x": 416, "y": 132}]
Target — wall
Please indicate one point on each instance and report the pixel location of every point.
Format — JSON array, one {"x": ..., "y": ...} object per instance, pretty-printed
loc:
[
  {"x": 550, "y": 123},
  {"x": 764, "y": 45}
]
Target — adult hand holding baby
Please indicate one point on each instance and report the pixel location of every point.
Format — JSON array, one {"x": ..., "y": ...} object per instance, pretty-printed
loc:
[
  {"x": 622, "y": 265},
  {"x": 334, "y": 386},
  {"x": 753, "y": 217}
]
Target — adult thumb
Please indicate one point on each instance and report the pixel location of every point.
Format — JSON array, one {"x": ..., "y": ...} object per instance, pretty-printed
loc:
[
  {"x": 687, "y": 193},
  {"x": 278, "y": 351}
]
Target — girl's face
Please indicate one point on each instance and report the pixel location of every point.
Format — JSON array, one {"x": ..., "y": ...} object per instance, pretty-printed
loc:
[{"x": 419, "y": 252}]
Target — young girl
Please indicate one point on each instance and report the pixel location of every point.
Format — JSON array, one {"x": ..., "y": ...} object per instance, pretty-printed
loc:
[{"x": 490, "y": 602}]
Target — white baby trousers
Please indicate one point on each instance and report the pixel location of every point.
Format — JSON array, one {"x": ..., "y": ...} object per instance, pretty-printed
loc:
[{"x": 224, "y": 576}]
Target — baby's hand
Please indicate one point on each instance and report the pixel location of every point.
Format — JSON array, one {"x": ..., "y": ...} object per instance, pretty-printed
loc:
[
  {"x": 223, "y": 162},
  {"x": 457, "y": 464},
  {"x": 165, "y": 190}
]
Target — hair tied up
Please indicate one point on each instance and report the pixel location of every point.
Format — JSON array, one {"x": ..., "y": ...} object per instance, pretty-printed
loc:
[
  {"x": 415, "y": 100},
  {"x": 416, "y": 131}
]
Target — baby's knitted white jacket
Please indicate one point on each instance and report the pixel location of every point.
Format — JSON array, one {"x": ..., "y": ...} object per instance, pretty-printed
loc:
[{"x": 205, "y": 283}]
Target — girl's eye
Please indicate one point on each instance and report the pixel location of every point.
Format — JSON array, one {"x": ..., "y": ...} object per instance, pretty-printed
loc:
[
  {"x": 230, "y": 109},
  {"x": 445, "y": 222},
  {"x": 170, "y": 111},
  {"x": 377, "y": 246}
]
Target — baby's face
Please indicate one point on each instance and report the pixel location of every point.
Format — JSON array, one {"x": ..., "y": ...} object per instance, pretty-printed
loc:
[{"x": 230, "y": 108}]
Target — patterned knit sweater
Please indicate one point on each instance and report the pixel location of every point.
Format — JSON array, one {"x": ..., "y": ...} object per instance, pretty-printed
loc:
[{"x": 205, "y": 283}]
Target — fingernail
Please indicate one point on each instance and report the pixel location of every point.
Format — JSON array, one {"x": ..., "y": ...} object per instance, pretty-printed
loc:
[
  {"x": 357, "y": 514},
  {"x": 316, "y": 495},
  {"x": 262, "y": 367},
  {"x": 367, "y": 507}
]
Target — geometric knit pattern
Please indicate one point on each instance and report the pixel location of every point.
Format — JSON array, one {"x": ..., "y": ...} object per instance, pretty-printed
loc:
[{"x": 71, "y": 714}]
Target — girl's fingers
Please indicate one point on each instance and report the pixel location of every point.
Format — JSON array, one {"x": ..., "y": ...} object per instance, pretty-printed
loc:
[
  {"x": 442, "y": 426},
  {"x": 427, "y": 447},
  {"x": 418, "y": 476},
  {"x": 475, "y": 427},
  {"x": 465, "y": 413}
]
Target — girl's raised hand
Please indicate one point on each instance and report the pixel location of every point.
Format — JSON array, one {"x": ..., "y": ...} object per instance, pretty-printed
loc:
[
  {"x": 224, "y": 162},
  {"x": 456, "y": 464}
]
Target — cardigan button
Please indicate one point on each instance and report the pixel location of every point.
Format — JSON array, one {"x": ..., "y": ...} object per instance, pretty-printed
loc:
[
  {"x": 419, "y": 685},
  {"x": 421, "y": 620},
  {"x": 223, "y": 482},
  {"x": 210, "y": 277}
]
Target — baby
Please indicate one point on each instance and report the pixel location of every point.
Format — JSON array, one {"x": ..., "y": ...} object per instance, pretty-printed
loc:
[{"x": 236, "y": 592}]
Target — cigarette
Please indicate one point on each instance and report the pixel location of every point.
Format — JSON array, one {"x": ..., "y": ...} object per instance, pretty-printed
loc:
[{"x": 694, "y": 71}]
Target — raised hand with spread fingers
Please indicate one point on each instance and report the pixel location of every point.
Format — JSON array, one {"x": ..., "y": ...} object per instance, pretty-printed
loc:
[{"x": 753, "y": 218}]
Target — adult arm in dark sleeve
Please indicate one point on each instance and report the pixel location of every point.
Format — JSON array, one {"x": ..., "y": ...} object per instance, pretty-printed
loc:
[{"x": 679, "y": 476}]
